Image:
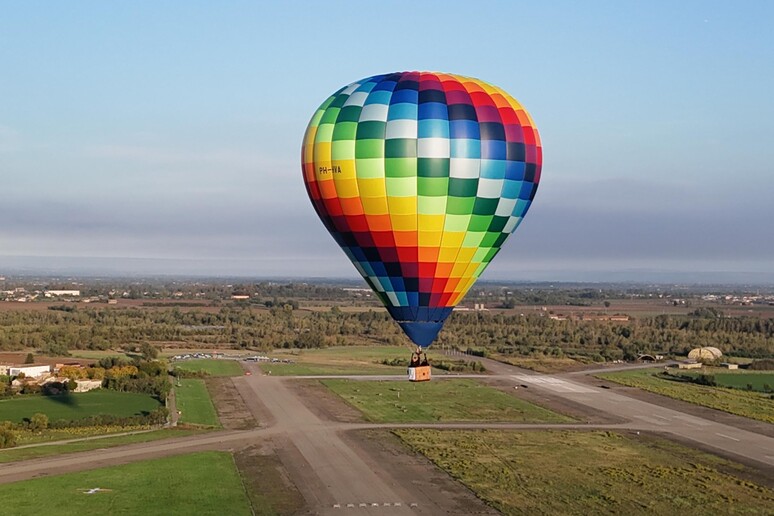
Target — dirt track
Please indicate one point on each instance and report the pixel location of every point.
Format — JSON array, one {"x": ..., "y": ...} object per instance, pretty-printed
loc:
[{"x": 337, "y": 461}]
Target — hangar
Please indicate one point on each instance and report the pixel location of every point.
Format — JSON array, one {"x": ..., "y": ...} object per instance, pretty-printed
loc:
[{"x": 708, "y": 353}]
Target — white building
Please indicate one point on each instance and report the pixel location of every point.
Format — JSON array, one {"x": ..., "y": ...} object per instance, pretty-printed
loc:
[
  {"x": 87, "y": 385},
  {"x": 52, "y": 293},
  {"x": 30, "y": 371}
]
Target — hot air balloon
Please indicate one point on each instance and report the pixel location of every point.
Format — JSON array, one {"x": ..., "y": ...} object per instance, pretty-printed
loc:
[{"x": 420, "y": 177}]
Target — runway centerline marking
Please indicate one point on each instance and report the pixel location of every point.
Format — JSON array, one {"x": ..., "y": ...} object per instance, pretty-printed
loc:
[
  {"x": 727, "y": 437},
  {"x": 692, "y": 420},
  {"x": 650, "y": 420}
]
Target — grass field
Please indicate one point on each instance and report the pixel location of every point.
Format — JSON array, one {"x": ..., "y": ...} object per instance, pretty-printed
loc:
[
  {"x": 447, "y": 400},
  {"x": 78, "y": 406},
  {"x": 25, "y": 437},
  {"x": 360, "y": 360},
  {"x": 759, "y": 381},
  {"x": 194, "y": 403},
  {"x": 211, "y": 366},
  {"x": 742, "y": 403},
  {"x": 16, "y": 454},
  {"x": 97, "y": 354},
  {"x": 563, "y": 472},
  {"x": 206, "y": 483}
]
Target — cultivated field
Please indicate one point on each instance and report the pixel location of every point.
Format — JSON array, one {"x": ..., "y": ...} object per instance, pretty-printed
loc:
[
  {"x": 205, "y": 483},
  {"x": 194, "y": 403},
  {"x": 734, "y": 401},
  {"x": 94, "y": 354},
  {"x": 78, "y": 406},
  {"x": 18, "y": 357},
  {"x": 439, "y": 401},
  {"x": 562, "y": 472}
]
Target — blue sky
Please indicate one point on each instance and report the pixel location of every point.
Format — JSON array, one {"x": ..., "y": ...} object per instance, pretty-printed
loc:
[{"x": 169, "y": 133}]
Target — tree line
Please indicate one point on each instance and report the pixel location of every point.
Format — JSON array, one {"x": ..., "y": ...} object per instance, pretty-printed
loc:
[{"x": 55, "y": 332}]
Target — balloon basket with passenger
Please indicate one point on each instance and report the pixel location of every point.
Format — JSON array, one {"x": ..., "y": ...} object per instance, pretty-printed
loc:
[{"x": 419, "y": 367}]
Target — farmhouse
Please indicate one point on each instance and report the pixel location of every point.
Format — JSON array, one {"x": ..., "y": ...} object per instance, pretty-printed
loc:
[
  {"x": 87, "y": 385},
  {"x": 60, "y": 365}
]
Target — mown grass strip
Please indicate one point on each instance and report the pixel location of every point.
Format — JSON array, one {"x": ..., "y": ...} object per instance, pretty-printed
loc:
[
  {"x": 205, "y": 483},
  {"x": 734, "y": 401},
  {"x": 437, "y": 401},
  {"x": 194, "y": 403},
  {"x": 565, "y": 472},
  {"x": 17, "y": 454}
]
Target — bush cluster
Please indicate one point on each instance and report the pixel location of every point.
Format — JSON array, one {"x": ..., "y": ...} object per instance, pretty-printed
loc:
[{"x": 39, "y": 422}]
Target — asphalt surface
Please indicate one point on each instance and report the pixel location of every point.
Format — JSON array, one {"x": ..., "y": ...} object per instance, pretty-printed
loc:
[
  {"x": 334, "y": 474},
  {"x": 722, "y": 438},
  {"x": 348, "y": 478}
]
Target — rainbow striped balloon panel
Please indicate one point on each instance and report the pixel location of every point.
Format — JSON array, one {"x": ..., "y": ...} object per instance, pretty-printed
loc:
[{"x": 421, "y": 177}]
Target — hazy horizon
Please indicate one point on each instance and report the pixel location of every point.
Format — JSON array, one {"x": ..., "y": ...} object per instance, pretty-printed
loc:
[{"x": 116, "y": 267}]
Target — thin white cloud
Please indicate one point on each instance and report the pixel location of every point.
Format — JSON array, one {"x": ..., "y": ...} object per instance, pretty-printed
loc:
[{"x": 222, "y": 158}]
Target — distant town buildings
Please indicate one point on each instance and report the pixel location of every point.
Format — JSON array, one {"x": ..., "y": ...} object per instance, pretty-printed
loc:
[
  {"x": 589, "y": 317},
  {"x": 733, "y": 299},
  {"x": 477, "y": 307},
  {"x": 62, "y": 293}
]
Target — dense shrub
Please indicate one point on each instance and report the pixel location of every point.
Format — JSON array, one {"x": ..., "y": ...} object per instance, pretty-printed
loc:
[
  {"x": 157, "y": 386},
  {"x": 7, "y": 436},
  {"x": 767, "y": 364}
]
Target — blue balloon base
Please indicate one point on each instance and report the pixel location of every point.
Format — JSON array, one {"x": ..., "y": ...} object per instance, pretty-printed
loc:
[{"x": 420, "y": 324}]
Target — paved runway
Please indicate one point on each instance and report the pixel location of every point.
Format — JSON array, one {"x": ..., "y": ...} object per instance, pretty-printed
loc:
[
  {"x": 333, "y": 474},
  {"x": 648, "y": 416},
  {"x": 347, "y": 478}
]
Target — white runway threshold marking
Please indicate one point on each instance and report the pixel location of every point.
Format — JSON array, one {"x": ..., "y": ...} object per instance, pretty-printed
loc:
[
  {"x": 554, "y": 384},
  {"x": 371, "y": 504}
]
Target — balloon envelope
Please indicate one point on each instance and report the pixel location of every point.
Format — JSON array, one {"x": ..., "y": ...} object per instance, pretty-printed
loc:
[{"x": 420, "y": 177}]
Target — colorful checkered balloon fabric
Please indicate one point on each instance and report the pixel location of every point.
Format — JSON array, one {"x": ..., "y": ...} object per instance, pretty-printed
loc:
[{"x": 420, "y": 177}]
